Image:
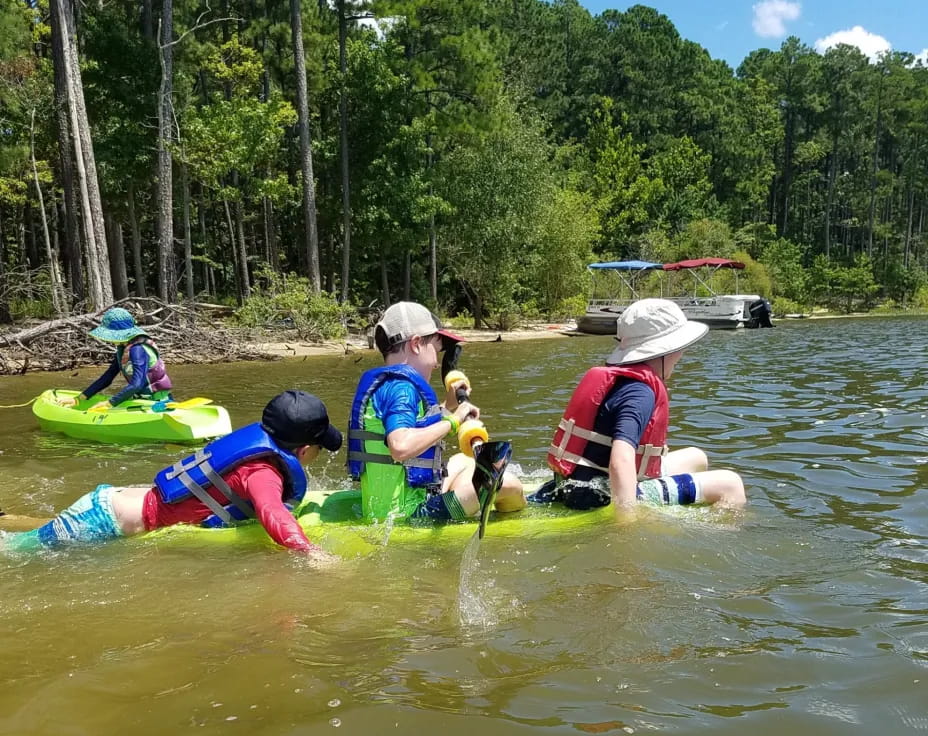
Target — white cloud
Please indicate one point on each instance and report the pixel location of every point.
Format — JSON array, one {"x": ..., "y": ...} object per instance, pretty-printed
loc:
[
  {"x": 770, "y": 17},
  {"x": 870, "y": 44},
  {"x": 922, "y": 57}
]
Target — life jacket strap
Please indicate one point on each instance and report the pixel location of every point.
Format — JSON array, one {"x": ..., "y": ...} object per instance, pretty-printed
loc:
[
  {"x": 570, "y": 428},
  {"x": 575, "y": 459},
  {"x": 385, "y": 459},
  {"x": 364, "y": 435},
  {"x": 200, "y": 459},
  {"x": 647, "y": 452}
]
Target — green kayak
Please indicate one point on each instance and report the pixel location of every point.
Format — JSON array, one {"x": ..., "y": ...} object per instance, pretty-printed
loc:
[
  {"x": 132, "y": 421},
  {"x": 332, "y": 519}
]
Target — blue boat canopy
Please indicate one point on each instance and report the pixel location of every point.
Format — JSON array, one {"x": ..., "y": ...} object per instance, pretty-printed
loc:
[{"x": 627, "y": 265}]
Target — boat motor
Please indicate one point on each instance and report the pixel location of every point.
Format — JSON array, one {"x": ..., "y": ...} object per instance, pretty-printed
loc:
[{"x": 761, "y": 311}]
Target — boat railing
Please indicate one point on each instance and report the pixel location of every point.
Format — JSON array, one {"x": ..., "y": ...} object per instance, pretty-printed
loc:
[{"x": 594, "y": 305}]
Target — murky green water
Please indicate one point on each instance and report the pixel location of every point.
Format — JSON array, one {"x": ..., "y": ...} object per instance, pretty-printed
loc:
[{"x": 807, "y": 614}]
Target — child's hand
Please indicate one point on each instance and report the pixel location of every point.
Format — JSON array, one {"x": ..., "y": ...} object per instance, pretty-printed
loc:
[
  {"x": 66, "y": 401},
  {"x": 318, "y": 557}
]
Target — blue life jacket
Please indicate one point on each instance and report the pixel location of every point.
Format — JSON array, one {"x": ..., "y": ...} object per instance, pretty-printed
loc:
[
  {"x": 424, "y": 470},
  {"x": 196, "y": 473}
]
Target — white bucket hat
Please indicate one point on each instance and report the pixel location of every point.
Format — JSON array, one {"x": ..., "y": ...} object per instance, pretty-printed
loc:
[{"x": 650, "y": 328}]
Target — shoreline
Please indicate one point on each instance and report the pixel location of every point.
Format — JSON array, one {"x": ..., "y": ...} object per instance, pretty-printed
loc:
[
  {"x": 356, "y": 343},
  {"x": 266, "y": 348}
]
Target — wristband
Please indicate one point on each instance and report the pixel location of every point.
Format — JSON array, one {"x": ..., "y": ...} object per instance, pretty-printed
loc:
[{"x": 452, "y": 420}]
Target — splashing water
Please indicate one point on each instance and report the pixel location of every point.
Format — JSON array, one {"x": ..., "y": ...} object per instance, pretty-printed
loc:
[{"x": 475, "y": 604}]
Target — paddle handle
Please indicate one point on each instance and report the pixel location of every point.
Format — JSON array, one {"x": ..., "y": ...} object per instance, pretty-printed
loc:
[
  {"x": 456, "y": 377},
  {"x": 471, "y": 435}
]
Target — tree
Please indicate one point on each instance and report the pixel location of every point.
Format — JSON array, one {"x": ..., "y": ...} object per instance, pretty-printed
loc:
[
  {"x": 306, "y": 151},
  {"x": 64, "y": 35}
]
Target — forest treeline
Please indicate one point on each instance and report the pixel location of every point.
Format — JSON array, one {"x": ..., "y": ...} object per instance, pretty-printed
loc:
[{"x": 475, "y": 155}]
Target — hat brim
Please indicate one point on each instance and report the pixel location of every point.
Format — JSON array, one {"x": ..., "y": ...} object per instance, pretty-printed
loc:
[
  {"x": 331, "y": 439},
  {"x": 450, "y": 336},
  {"x": 107, "y": 335},
  {"x": 689, "y": 333}
]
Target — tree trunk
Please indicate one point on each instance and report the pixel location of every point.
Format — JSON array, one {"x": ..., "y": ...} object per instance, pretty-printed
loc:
[
  {"x": 136, "y": 244},
  {"x": 910, "y": 206},
  {"x": 832, "y": 175},
  {"x": 787, "y": 171},
  {"x": 201, "y": 221},
  {"x": 188, "y": 242},
  {"x": 384, "y": 280},
  {"x": 30, "y": 255},
  {"x": 167, "y": 282},
  {"x": 343, "y": 126},
  {"x": 306, "y": 152},
  {"x": 82, "y": 133},
  {"x": 117, "y": 253},
  {"x": 239, "y": 293},
  {"x": 477, "y": 306},
  {"x": 874, "y": 165},
  {"x": 5, "y": 316},
  {"x": 407, "y": 276},
  {"x": 148, "y": 28},
  {"x": 433, "y": 261},
  {"x": 101, "y": 292},
  {"x": 242, "y": 249},
  {"x": 270, "y": 236},
  {"x": 58, "y": 300}
]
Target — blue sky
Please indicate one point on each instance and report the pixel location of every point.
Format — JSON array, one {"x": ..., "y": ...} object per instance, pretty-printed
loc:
[{"x": 730, "y": 29}]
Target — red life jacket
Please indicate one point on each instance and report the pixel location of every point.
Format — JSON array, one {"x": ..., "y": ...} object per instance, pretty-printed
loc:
[{"x": 575, "y": 430}]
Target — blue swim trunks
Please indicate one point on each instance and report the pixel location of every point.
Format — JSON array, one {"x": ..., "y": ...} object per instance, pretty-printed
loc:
[
  {"x": 441, "y": 507},
  {"x": 89, "y": 519},
  {"x": 668, "y": 490}
]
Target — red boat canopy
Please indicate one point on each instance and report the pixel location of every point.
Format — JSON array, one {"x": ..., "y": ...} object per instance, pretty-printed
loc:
[{"x": 701, "y": 262}]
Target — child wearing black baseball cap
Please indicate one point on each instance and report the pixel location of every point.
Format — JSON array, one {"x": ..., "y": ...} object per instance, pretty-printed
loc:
[{"x": 255, "y": 472}]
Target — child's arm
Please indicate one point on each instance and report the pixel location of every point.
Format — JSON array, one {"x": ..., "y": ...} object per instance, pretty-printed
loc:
[
  {"x": 265, "y": 490},
  {"x": 102, "y": 383},
  {"x": 139, "y": 381},
  {"x": 623, "y": 474}
]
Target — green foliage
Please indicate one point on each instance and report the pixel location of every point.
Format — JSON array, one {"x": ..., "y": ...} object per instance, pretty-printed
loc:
[
  {"x": 789, "y": 279},
  {"x": 684, "y": 192},
  {"x": 496, "y": 184},
  {"x": 287, "y": 301},
  {"x": 704, "y": 238},
  {"x": 920, "y": 297},
  {"x": 516, "y": 141},
  {"x": 614, "y": 174},
  {"x": 566, "y": 230},
  {"x": 783, "y": 306},
  {"x": 846, "y": 288}
]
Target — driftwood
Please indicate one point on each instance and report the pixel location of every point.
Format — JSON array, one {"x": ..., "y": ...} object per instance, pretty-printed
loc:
[{"x": 185, "y": 333}]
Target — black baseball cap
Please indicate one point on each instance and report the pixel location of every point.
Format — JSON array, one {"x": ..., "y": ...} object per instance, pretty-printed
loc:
[{"x": 298, "y": 418}]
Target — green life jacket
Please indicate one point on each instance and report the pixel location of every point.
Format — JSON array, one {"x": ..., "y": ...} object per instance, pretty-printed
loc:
[{"x": 385, "y": 489}]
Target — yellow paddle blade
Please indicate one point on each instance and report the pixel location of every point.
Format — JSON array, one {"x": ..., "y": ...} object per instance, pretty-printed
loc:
[{"x": 189, "y": 403}]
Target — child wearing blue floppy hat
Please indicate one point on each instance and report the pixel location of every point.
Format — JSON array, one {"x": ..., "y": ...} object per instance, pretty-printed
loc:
[{"x": 136, "y": 358}]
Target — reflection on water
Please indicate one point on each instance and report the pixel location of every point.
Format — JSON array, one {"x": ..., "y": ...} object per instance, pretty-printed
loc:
[{"x": 806, "y": 612}]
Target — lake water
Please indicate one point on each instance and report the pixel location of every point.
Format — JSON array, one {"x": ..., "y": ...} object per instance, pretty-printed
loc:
[{"x": 805, "y": 614}]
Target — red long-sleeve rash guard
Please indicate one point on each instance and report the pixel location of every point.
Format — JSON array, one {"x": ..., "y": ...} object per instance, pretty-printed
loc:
[{"x": 258, "y": 481}]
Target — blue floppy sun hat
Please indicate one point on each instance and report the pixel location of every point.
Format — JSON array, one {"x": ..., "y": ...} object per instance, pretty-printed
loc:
[{"x": 117, "y": 325}]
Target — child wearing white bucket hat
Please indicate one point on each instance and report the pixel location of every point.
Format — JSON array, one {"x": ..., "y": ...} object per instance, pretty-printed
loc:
[{"x": 610, "y": 445}]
